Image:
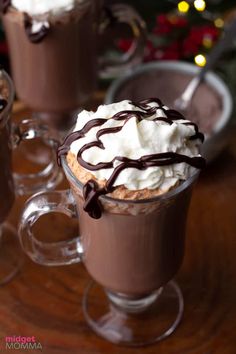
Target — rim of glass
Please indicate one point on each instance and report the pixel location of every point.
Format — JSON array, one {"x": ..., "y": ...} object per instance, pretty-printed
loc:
[
  {"x": 163, "y": 196},
  {"x": 4, "y": 116}
]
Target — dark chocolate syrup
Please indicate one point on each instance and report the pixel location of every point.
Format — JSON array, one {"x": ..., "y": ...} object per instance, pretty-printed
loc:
[
  {"x": 5, "y": 5},
  {"x": 34, "y": 37},
  {"x": 91, "y": 190},
  {"x": 3, "y": 104}
]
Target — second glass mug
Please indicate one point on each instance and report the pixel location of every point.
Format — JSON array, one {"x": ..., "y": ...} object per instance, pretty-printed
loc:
[
  {"x": 132, "y": 252},
  {"x": 12, "y": 183},
  {"x": 16, "y": 134},
  {"x": 57, "y": 75}
]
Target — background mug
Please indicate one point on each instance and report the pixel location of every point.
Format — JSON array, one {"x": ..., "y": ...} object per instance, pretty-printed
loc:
[{"x": 56, "y": 75}]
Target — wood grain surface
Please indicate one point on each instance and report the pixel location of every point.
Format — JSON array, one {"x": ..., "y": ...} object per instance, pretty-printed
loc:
[{"x": 46, "y": 302}]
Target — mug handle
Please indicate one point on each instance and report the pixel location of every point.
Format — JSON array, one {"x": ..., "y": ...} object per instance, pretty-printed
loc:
[
  {"x": 110, "y": 68},
  {"x": 49, "y": 176},
  {"x": 50, "y": 254}
]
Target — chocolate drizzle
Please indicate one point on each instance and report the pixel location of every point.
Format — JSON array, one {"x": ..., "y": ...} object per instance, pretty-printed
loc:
[
  {"x": 91, "y": 190},
  {"x": 5, "y": 5},
  {"x": 3, "y": 104},
  {"x": 35, "y": 37}
]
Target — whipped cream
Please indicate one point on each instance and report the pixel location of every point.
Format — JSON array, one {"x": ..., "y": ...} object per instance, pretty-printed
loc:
[
  {"x": 39, "y": 7},
  {"x": 136, "y": 139},
  {"x": 37, "y": 26}
]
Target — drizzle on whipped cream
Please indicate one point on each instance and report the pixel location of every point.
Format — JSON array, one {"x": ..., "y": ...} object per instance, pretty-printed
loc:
[{"x": 138, "y": 145}]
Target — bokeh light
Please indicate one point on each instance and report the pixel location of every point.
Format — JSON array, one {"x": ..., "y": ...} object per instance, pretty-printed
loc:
[
  {"x": 200, "y": 60},
  {"x": 207, "y": 41},
  {"x": 199, "y": 5},
  {"x": 183, "y": 6},
  {"x": 219, "y": 22}
]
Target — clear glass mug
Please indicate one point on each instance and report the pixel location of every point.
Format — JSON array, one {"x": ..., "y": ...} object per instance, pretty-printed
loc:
[
  {"x": 132, "y": 252},
  {"x": 57, "y": 75},
  {"x": 18, "y": 134},
  {"x": 11, "y": 137}
]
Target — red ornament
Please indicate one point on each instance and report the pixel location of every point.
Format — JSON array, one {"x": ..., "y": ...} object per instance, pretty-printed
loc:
[{"x": 124, "y": 44}]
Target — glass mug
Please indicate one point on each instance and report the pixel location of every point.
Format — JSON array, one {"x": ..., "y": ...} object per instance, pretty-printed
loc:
[
  {"x": 56, "y": 76},
  {"x": 132, "y": 252},
  {"x": 11, "y": 137},
  {"x": 27, "y": 131}
]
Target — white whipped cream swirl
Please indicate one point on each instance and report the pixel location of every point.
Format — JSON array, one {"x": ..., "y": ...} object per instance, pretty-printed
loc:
[
  {"x": 138, "y": 139},
  {"x": 39, "y": 7}
]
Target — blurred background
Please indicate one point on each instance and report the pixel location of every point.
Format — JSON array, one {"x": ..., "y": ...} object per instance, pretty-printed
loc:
[{"x": 177, "y": 30}]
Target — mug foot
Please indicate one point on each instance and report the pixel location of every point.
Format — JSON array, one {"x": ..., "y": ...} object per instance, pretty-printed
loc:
[{"x": 130, "y": 322}]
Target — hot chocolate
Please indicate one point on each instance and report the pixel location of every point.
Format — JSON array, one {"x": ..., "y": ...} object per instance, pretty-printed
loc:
[
  {"x": 138, "y": 155},
  {"x": 134, "y": 249},
  {"x": 131, "y": 167},
  {"x": 6, "y": 180},
  {"x": 53, "y": 56},
  {"x": 53, "y": 51}
]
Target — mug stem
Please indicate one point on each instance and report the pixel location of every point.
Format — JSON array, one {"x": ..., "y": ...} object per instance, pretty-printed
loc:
[{"x": 129, "y": 304}]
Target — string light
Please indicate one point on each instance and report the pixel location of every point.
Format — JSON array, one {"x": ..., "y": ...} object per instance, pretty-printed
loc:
[
  {"x": 199, "y": 5},
  {"x": 183, "y": 6},
  {"x": 219, "y": 23},
  {"x": 200, "y": 60},
  {"x": 207, "y": 41}
]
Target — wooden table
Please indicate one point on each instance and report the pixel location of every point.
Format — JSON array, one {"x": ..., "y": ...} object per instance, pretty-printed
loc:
[{"x": 46, "y": 302}]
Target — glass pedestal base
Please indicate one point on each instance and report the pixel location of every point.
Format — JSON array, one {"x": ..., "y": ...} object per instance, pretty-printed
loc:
[
  {"x": 133, "y": 322},
  {"x": 11, "y": 256}
]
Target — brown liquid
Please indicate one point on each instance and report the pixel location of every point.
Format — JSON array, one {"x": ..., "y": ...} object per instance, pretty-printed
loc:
[
  {"x": 134, "y": 254},
  {"x": 56, "y": 75},
  {"x": 6, "y": 179}
]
